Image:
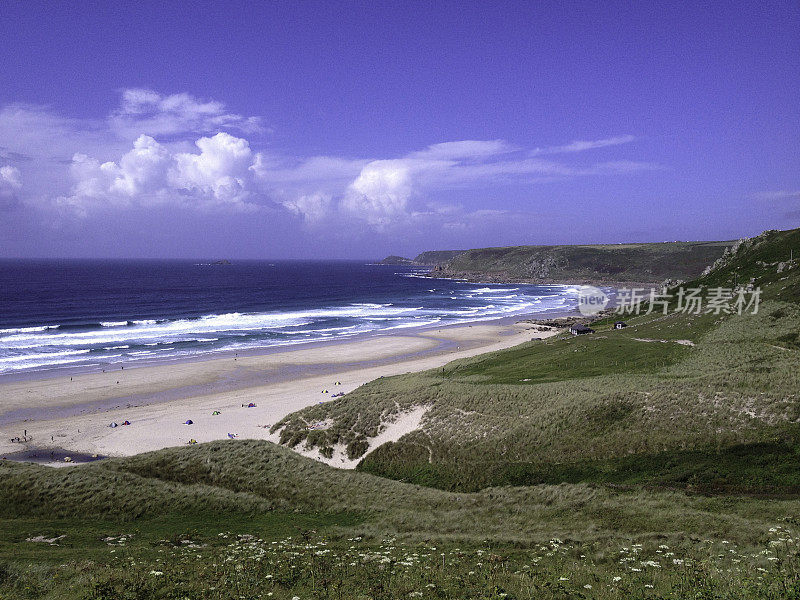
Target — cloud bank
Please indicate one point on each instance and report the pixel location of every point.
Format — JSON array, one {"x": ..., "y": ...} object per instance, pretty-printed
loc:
[{"x": 178, "y": 151}]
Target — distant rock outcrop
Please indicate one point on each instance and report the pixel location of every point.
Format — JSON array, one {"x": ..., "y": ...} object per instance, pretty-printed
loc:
[
  {"x": 397, "y": 260},
  {"x": 426, "y": 259}
]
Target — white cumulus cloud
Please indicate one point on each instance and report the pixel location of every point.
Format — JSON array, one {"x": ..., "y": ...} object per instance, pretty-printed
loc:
[
  {"x": 381, "y": 192},
  {"x": 314, "y": 208},
  {"x": 223, "y": 168},
  {"x": 220, "y": 175},
  {"x": 143, "y": 170},
  {"x": 385, "y": 191},
  {"x": 10, "y": 184}
]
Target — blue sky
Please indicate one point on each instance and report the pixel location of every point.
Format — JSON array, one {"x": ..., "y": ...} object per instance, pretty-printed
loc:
[{"x": 356, "y": 130}]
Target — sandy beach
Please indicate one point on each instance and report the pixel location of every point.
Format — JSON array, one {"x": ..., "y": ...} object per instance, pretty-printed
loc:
[{"x": 73, "y": 412}]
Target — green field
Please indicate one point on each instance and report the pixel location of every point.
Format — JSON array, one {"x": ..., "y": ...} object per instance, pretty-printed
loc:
[{"x": 656, "y": 461}]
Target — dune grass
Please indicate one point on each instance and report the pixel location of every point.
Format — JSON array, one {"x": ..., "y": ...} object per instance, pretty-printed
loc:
[
  {"x": 395, "y": 541},
  {"x": 259, "y": 480},
  {"x": 355, "y": 535}
]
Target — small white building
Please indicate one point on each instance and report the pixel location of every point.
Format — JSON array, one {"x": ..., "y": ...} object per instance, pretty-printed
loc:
[{"x": 580, "y": 329}]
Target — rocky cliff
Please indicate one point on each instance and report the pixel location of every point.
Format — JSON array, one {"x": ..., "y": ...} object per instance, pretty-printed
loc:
[{"x": 598, "y": 264}]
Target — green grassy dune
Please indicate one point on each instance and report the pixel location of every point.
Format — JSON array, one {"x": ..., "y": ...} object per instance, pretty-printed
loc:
[{"x": 269, "y": 523}]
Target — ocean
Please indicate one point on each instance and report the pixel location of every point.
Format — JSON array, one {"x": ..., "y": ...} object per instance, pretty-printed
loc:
[{"x": 86, "y": 315}]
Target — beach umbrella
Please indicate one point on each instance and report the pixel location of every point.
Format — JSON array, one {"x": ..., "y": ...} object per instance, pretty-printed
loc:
[
  {"x": 113, "y": 424},
  {"x": 251, "y": 405},
  {"x": 188, "y": 422},
  {"x": 216, "y": 412}
]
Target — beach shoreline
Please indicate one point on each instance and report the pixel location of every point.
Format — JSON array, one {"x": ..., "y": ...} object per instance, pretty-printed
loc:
[
  {"x": 72, "y": 411},
  {"x": 102, "y": 364},
  {"x": 68, "y": 370}
]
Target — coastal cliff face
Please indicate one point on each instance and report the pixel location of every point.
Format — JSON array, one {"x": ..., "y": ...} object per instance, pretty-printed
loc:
[{"x": 598, "y": 264}]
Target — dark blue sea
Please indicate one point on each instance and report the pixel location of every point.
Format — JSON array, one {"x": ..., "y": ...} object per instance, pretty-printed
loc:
[{"x": 88, "y": 314}]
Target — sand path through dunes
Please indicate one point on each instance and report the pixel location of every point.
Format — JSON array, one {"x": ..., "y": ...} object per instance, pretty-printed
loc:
[
  {"x": 157, "y": 400},
  {"x": 391, "y": 431}
]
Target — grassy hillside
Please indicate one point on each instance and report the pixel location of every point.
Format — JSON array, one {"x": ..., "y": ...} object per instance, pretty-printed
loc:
[
  {"x": 608, "y": 263},
  {"x": 247, "y": 519},
  {"x": 707, "y": 394},
  {"x": 437, "y": 257},
  {"x": 769, "y": 261},
  {"x": 656, "y": 461},
  {"x": 251, "y": 478},
  {"x": 516, "y": 417}
]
